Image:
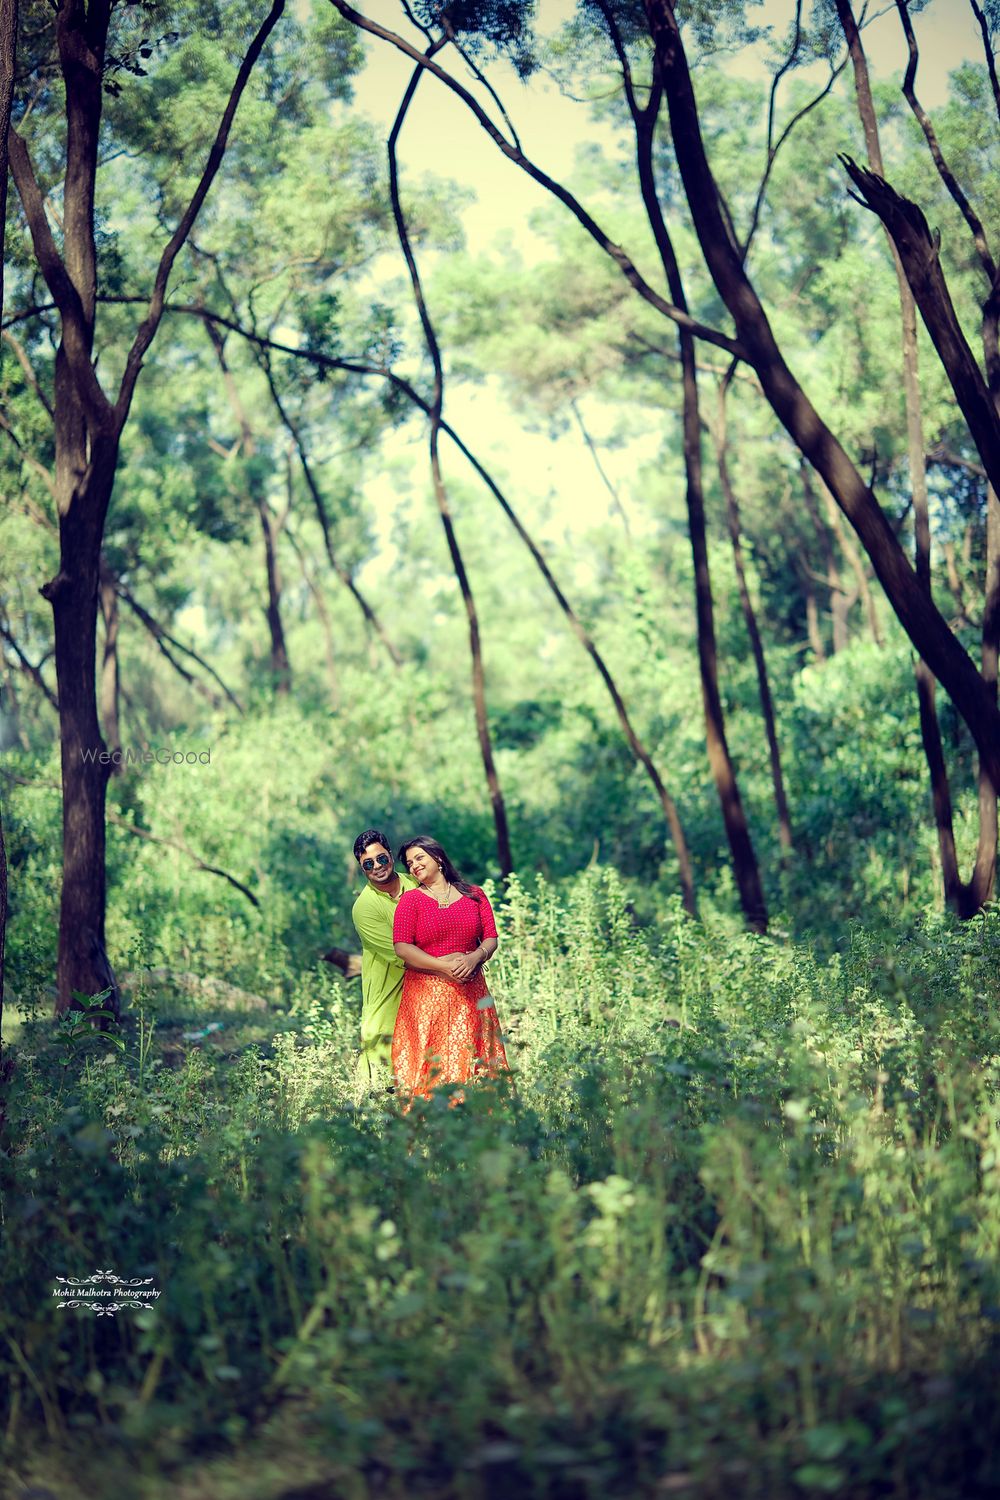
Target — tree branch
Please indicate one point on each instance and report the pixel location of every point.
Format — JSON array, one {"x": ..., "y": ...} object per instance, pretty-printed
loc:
[
  {"x": 152, "y": 838},
  {"x": 944, "y": 171},
  {"x": 67, "y": 299},
  {"x": 28, "y": 668},
  {"x": 991, "y": 61},
  {"x": 151, "y": 322},
  {"x": 29, "y": 373},
  {"x": 616, "y": 253},
  {"x": 919, "y": 253},
  {"x": 161, "y": 636}
]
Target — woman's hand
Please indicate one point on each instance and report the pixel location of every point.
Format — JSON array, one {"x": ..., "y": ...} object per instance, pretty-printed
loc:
[{"x": 464, "y": 965}]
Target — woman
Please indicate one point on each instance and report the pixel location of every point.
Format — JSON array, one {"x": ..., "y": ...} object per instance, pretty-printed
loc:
[{"x": 444, "y": 932}]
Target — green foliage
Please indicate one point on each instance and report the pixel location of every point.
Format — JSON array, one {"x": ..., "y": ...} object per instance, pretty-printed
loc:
[{"x": 738, "y": 1216}]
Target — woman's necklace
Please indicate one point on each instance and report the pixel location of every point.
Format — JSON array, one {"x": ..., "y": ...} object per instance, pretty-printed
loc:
[{"x": 445, "y": 900}]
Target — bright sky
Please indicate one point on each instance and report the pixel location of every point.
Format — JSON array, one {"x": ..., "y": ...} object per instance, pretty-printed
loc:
[
  {"x": 555, "y": 483},
  {"x": 440, "y": 131}
]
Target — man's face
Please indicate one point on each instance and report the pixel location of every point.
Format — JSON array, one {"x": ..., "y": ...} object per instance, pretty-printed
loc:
[{"x": 376, "y": 862}]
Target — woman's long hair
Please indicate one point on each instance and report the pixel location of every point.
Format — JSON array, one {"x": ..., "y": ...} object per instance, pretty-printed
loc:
[{"x": 433, "y": 848}]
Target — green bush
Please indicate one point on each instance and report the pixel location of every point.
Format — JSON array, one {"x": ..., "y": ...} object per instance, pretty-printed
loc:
[{"x": 733, "y": 1222}]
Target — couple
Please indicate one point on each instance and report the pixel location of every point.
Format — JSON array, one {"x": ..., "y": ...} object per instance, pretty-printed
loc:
[{"x": 425, "y": 1009}]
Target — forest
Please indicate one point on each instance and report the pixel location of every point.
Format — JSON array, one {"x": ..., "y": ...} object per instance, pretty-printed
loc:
[{"x": 570, "y": 430}]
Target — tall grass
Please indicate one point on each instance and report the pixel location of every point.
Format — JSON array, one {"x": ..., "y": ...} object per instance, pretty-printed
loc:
[{"x": 732, "y": 1227}]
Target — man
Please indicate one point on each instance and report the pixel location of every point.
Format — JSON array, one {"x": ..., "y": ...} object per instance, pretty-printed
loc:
[{"x": 381, "y": 971}]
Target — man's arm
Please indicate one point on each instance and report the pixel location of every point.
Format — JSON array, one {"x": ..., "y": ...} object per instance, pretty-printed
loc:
[
  {"x": 349, "y": 964},
  {"x": 375, "y": 933},
  {"x": 415, "y": 958}
]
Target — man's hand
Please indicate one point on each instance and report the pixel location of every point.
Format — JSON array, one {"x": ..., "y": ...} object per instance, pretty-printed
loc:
[{"x": 348, "y": 963}]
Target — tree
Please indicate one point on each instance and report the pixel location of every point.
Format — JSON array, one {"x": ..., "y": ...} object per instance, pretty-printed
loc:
[
  {"x": 88, "y": 427},
  {"x": 8, "y": 50},
  {"x": 440, "y": 493}
]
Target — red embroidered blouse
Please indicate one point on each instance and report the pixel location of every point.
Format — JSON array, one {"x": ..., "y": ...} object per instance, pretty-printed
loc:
[{"x": 438, "y": 930}]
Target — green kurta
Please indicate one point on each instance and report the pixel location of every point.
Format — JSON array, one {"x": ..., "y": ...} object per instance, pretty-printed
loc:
[{"x": 381, "y": 977}]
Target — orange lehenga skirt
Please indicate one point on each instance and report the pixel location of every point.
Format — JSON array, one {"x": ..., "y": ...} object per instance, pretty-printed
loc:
[{"x": 442, "y": 1035}]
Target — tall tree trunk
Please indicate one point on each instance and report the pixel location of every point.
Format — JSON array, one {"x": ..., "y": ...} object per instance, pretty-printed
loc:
[
  {"x": 920, "y": 618},
  {"x": 813, "y": 633},
  {"x": 83, "y": 970},
  {"x": 719, "y": 435},
  {"x": 86, "y": 455},
  {"x": 88, "y": 429},
  {"x": 741, "y": 848},
  {"x": 839, "y": 600},
  {"x": 956, "y": 894},
  {"x": 970, "y": 897},
  {"x": 982, "y": 883},
  {"x": 440, "y": 494},
  {"x": 8, "y": 52},
  {"x": 281, "y": 670},
  {"x": 3, "y": 924},
  {"x": 8, "y": 55}
]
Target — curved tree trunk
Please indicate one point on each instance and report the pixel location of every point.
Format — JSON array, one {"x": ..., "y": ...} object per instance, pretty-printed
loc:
[
  {"x": 967, "y": 898},
  {"x": 281, "y": 669},
  {"x": 930, "y": 730},
  {"x": 981, "y": 885},
  {"x": 750, "y": 620},
  {"x": 744, "y": 858},
  {"x": 918, "y": 615},
  {"x": 963, "y": 898},
  {"x": 294, "y": 432},
  {"x": 8, "y": 52},
  {"x": 440, "y": 494}
]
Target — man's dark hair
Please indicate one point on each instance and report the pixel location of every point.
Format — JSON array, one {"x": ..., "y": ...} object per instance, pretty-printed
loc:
[{"x": 370, "y": 836}]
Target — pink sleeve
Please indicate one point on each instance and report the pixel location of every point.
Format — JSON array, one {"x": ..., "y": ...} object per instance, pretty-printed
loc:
[
  {"x": 404, "y": 923},
  {"x": 486, "y": 916}
]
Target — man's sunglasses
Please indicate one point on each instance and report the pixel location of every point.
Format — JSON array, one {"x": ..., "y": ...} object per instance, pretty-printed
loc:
[{"x": 381, "y": 860}]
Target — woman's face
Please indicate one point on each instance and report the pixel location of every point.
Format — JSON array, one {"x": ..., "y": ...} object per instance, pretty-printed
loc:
[{"x": 421, "y": 865}]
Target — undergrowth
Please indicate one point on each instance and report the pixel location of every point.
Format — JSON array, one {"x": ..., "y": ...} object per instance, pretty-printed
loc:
[{"x": 732, "y": 1224}]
